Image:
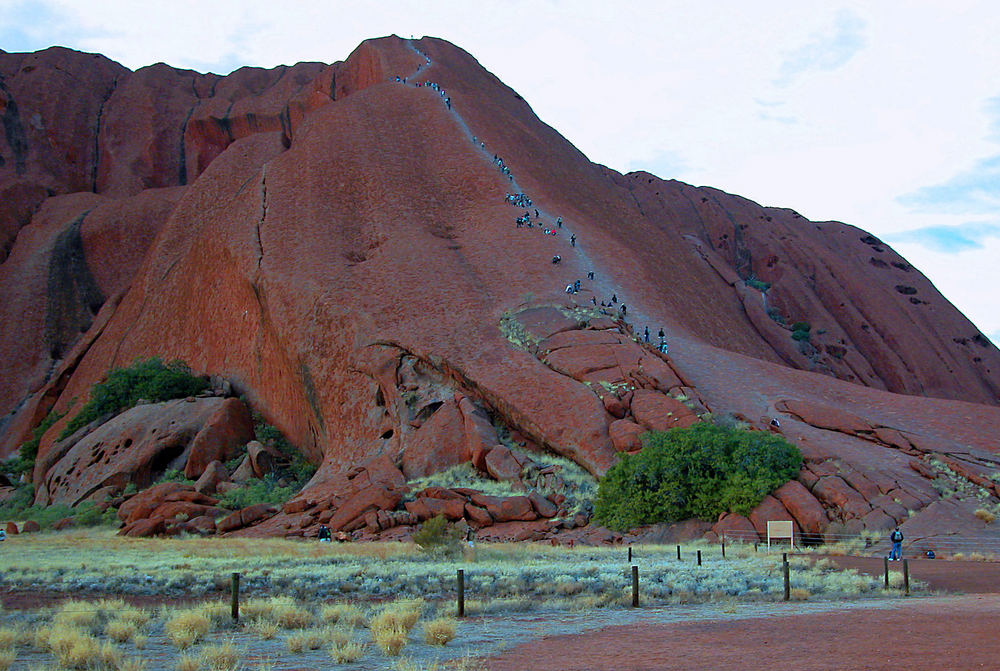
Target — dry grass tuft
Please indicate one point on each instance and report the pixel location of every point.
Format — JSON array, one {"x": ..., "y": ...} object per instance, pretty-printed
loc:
[
  {"x": 9, "y": 638},
  {"x": 187, "y": 627},
  {"x": 799, "y": 594},
  {"x": 389, "y": 640},
  {"x": 7, "y": 658},
  {"x": 221, "y": 657},
  {"x": 139, "y": 641},
  {"x": 347, "y": 652},
  {"x": 119, "y": 631},
  {"x": 343, "y": 613},
  {"x": 75, "y": 613},
  {"x": 132, "y": 664},
  {"x": 310, "y": 639},
  {"x": 281, "y": 610},
  {"x": 266, "y": 630},
  {"x": 216, "y": 611},
  {"x": 439, "y": 631},
  {"x": 188, "y": 663},
  {"x": 985, "y": 515}
]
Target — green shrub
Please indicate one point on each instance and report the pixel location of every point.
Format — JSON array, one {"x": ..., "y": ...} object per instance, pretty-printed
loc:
[
  {"x": 256, "y": 491},
  {"x": 19, "y": 507},
  {"x": 800, "y": 331},
  {"x": 700, "y": 471},
  {"x": 438, "y": 536},
  {"x": 174, "y": 475},
  {"x": 759, "y": 285},
  {"x": 151, "y": 380},
  {"x": 299, "y": 469},
  {"x": 800, "y": 335},
  {"x": 24, "y": 462}
]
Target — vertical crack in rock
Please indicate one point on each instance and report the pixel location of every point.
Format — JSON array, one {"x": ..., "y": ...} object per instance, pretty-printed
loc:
[
  {"x": 14, "y": 131},
  {"x": 182, "y": 162},
  {"x": 96, "y": 159},
  {"x": 263, "y": 214},
  {"x": 73, "y": 295}
]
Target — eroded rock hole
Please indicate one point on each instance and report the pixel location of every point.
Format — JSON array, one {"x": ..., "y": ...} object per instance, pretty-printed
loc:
[{"x": 387, "y": 434}]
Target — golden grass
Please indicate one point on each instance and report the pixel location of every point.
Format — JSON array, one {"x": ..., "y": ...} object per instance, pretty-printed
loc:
[
  {"x": 343, "y": 613},
  {"x": 75, "y": 649},
  {"x": 985, "y": 515},
  {"x": 798, "y": 594},
  {"x": 309, "y": 639},
  {"x": 439, "y": 631},
  {"x": 119, "y": 631},
  {"x": 74, "y": 613},
  {"x": 400, "y": 615},
  {"x": 188, "y": 663},
  {"x": 389, "y": 640},
  {"x": 132, "y": 664},
  {"x": 221, "y": 657},
  {"x": 139, "y": 641},
  {"x": 216, "y": 611},
  {"x": 187, "y": 627},
  {"x": 7, "y": 659},
  {"x": 264, "y": 629},
  {"x": 347, "y": 652},
  {"x": 10, "y": 637}
]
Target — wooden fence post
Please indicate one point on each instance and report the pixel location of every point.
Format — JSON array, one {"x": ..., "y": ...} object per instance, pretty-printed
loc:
[
  {"x": 906, "y": 577},
  {"x": 885, "y": 563},
  {"x": 461, "y": 592},
  {"x": 635, "y": 586},
  {"x": 788, "y": 592},
  {"x": 236, "y": 597}
]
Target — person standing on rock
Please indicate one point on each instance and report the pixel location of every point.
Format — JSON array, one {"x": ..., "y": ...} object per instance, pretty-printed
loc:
[
  {"x": 559, "y": 222},
  {"x": 897, "y": 544},
  {"x": 646, "y": 334},
  {"x": 572, "y": 239},
  {"x": 590, "y": 275}
]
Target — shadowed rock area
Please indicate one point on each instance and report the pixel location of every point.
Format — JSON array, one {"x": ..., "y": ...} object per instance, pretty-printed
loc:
[{"x": 339, "y": 244}]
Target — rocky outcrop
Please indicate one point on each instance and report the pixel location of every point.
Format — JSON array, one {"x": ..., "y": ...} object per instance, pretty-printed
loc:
[{"x": 402, "y": 328}]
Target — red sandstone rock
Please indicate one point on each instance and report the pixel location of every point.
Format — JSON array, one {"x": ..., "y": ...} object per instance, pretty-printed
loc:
[
  {"x": 439, "y": 443},
  {"x": 244, "y": 517},
  {"x": 30, "y": 526},
  {"x": 11, "y": 529},
  {"x": 426, "y": 508},
  {"x": 735, "y": 528},
  {"x": 625, "y": 435},
  {"x": 836, "y": 493},
  {"x": 143, "y": 504},
  {"x": 825, "y": 417},
  {"x": 290, "y": 322},
  {"x": 659, "y": 412},
  {"x": 480, "y": 436},
  {"x": 542, "y": 505},
  {"x": 770, "y": 509},
  {"x": 214, "y": 473},
  {"x": 229, "y": 427},
  {"x": 803, "y": 506},
  {"x": 502, "y": 465},
  {"x": 477, "y": 516},
  {"x": 203, "y": 525},
  {"x": 614, "y": 407},
  {"x": 144, "y": 527}
]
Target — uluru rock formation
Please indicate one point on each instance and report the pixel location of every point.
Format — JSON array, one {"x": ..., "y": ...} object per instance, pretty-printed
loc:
[{"x": 337, "y": 242}]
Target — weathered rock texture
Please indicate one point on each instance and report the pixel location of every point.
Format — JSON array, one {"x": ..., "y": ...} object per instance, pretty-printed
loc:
[{"x": 333, "y": 242}]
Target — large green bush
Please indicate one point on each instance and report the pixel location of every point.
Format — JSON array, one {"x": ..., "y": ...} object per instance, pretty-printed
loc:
[
  {"x": 700, "y": 471},
  {"x": 151, "y": 380}
]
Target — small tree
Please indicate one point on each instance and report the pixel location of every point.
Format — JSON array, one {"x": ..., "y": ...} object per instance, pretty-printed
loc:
[
  {"x": 437, "y": 535},
  {"x": 700, "y": 471}
]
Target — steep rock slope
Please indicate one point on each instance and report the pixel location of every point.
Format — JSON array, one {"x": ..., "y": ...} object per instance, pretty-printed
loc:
[{"x": 337, "y": 243}]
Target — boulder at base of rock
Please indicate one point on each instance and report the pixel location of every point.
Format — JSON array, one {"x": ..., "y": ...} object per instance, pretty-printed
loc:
[
  {"x": 31, "y": 526},
  {"x": 659, "y": 412},
  {"x": 11, "y": 529},
  {"x": 229, "y": 427},
  {"x": 502, "y": 465},
  {"x": 214, "y": 473},
  {"x": 438, "y": 444},
  {"x": 245, "y": 517},
  {"x": 770, "y": 509},
  {"x": 803, "y": 506},
  {"x": 426, "y": 508},
  {"x": 478, "y": 517},
  {"x": 625, "y": 435},
  {"x": 735, "y": 528},
  {"x": 542, "y": 505},
  {"x": 145, "y": 503},
  {"x": 143, "y": 528}
]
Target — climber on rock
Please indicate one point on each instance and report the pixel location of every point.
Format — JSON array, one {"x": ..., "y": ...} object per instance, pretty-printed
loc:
[
  {"x": 646, "y": 334},
  {"x": 572, "y": 239},
  {"x": 590, "y": 275},
  {"x": 556, "y": 259}
]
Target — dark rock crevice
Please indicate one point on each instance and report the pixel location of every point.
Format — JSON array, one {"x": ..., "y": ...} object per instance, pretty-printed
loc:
[
  {"x": 74, "y": 297},
  {"x": 96, "y": 158},
  {"x": 14, "y": 131}
]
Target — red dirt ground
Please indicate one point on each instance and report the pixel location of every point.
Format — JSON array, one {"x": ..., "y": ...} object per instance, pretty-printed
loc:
[
  {"x": 941, "y": 633},
  {"x": 962, "y": 577}
]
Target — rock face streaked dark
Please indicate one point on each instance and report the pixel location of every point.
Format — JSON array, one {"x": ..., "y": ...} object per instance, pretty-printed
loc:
[{"x": 334, "y": 243}]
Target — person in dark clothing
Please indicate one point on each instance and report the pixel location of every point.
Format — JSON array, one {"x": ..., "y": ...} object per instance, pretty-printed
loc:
[
  {"x": 624, "y": 310},
  {"x": 572, "y": 239},
  {"x": 593, "y": 299},
  {"x": 614, "y": 298},
  {"x": 645, "y": 334},
  {"x": 590, "y": 275},
  {"x": 661, "y": 334},
  {"x": 556, "y": 259},
  {"x": 897, "y": 544},
  {"x": 324, "y": 534}
]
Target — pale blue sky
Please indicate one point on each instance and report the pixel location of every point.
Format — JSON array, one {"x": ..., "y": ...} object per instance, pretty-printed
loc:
[{"x": 884, "y": 115}]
